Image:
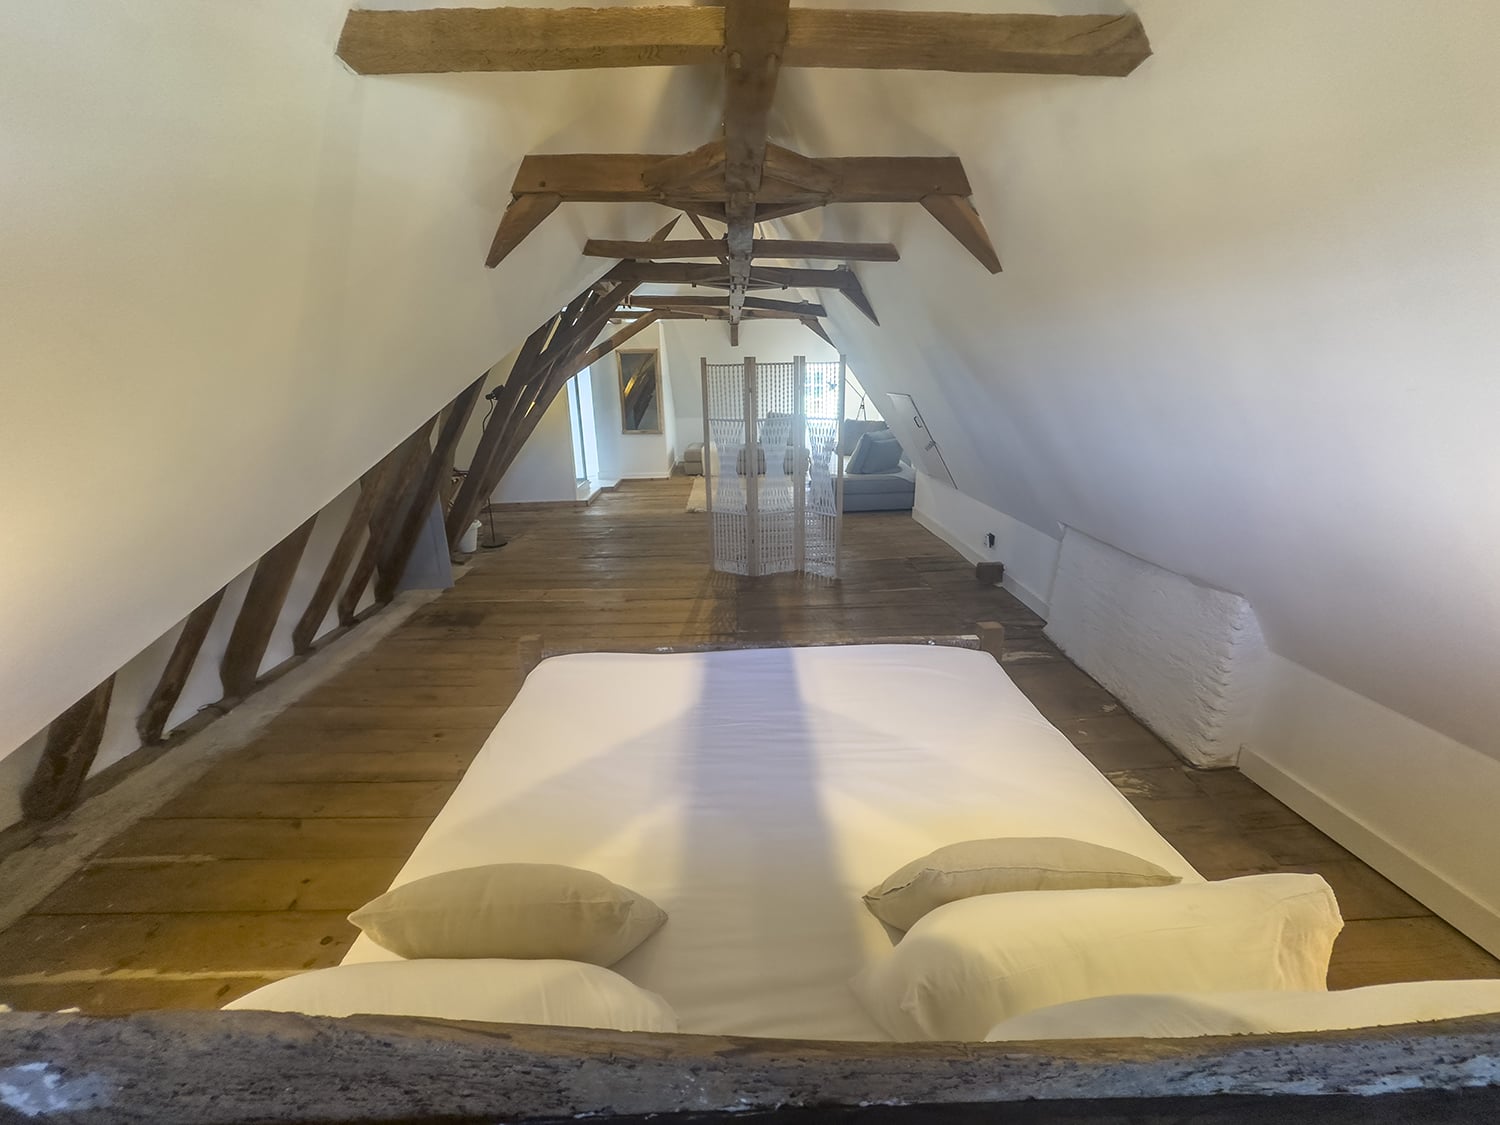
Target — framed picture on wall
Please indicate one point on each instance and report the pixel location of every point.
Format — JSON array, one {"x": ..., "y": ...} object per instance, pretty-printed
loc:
[{"x": 640, "y": 391}]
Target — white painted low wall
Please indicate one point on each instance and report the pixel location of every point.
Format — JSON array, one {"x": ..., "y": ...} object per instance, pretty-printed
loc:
[
  {"x": 1414, "y": 804},
  {"x": 1186, "y": 658},
  {"x": 962, "y": 522}
]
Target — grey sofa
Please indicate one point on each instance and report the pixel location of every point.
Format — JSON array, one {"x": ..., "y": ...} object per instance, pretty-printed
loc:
[{"x": 890, "y": 485}]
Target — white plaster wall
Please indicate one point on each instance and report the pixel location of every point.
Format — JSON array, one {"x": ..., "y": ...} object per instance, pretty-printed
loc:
[
  {"x": 1186, "y": 658},
  {"x": 625, "y": 456},
  {"x": 543, "y": 471},
  {"x": 234, "y": 275},
  {"x": 1030, "y": 557}
]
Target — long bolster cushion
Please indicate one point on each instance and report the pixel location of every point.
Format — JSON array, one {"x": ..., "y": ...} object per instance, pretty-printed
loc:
[{"x": 968, "y": 965}]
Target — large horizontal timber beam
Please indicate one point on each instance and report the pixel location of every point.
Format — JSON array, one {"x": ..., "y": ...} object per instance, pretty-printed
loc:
[
  {"x": 456, "y": 40},
  {"x": 791, "y": 183},
  {"x": 780, "y": 249},
  {"x": 843, "y": 280}
]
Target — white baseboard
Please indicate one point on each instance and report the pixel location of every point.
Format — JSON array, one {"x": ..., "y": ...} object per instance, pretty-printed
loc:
[
  {"x": 1028, "y": 597},
  {"x": 1427, "y": 886}
]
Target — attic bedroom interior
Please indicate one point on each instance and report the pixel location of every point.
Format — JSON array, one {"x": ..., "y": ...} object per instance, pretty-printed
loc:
[{"x": 768, "y": 560}]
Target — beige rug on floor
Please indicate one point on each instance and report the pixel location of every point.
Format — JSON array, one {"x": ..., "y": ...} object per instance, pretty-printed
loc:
[{"x": 698, "y": 497}]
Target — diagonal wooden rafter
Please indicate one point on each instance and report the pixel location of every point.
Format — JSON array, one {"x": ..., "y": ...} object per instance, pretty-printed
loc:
[
  {"x": 742, "y": 179},
  {"x": 454, "y": 40}
]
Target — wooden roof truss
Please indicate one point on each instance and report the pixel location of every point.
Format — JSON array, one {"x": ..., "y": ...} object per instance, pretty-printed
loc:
[{"x": 740, "y": 179}]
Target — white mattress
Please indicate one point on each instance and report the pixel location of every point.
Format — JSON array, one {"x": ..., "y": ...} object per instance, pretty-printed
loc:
[{"x": 756, "y": 795}]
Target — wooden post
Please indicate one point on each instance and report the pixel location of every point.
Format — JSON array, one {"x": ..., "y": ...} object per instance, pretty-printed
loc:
[
  {"x": 269, "y": 586},
  {"x": 752, "y": 457},
  {"x": 72, "y": 742},
  {"x": 153, "y": 717},
  {"x": 708, "y": 480},
  {"x": 992, "y": 639},
  {"x": 838, "y": 488},
  {"x": 800, "y": 463}
]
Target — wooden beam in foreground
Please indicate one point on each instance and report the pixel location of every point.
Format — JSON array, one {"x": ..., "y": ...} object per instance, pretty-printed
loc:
[
  {"x": 72, "y": 742},
  {"x": 185, "y": 1068},
  {"x": 449, "y": 40},
  {"x": 784, "y": 248},
  {"x": 153, "y": 717},
  {"x": 269, "y": 586}
]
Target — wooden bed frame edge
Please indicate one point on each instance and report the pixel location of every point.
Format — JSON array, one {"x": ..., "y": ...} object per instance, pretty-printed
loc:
[{"x": 988, "y": 636}]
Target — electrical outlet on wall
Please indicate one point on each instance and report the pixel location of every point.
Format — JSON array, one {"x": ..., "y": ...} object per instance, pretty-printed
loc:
[{"x": 989, "y": 539}]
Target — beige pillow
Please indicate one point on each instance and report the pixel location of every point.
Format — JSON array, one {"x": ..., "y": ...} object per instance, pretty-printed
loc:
[
  {"x": 1019, "y": 863},
  {"x": 518, "y": 910}
]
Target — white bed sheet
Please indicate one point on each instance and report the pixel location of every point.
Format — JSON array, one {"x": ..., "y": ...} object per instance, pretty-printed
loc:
[{"x": 756, "y": 795}]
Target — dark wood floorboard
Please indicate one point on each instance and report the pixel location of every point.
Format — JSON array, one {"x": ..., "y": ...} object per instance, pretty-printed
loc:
[{"x": 247, "y": 875}]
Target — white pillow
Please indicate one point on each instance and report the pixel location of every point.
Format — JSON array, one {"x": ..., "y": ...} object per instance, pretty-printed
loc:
[
  {"x": 970, "y": 964},
  {"x": 564, "y": 993},
  {"x": 1253, "y": 1013}
]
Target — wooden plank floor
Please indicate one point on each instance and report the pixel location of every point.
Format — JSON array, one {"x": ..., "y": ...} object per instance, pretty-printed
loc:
[{"x": 247, "y": 875}]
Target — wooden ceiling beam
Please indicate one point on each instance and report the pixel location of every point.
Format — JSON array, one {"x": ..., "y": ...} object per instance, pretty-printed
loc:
[
  {"x": 612, "y": 177},
  {"x": 757, "y": 304},
  {"x": 788, "y": 249},
  {"x": 1108, "y": 46},
  {"x": 765, "y": 277},
  {"x": 451, "y": 40}
]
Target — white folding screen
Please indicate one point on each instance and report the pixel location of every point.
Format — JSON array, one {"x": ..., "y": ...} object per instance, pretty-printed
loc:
[{"x": 773, "y": 480}]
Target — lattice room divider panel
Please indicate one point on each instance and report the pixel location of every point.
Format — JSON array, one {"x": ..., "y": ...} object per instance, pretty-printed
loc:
[{"x": 773, "y": 481}]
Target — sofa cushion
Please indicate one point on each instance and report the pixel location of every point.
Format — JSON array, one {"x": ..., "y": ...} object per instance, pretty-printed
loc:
[
  {"x": 852, "y": 430},
  {"x": 876, "y": 452}
]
